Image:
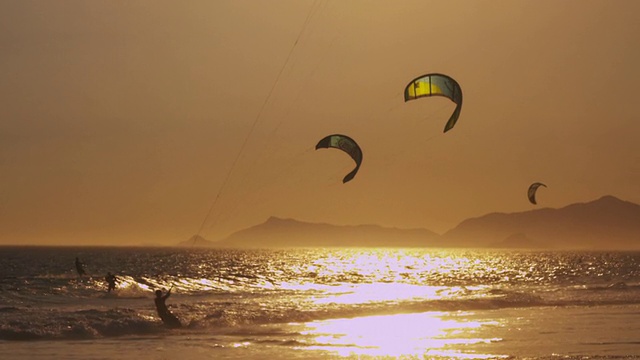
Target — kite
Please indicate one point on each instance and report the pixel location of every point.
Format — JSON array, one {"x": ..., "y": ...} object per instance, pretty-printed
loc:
[
  {"x": 436, "y": 85},
  {"x": 347, "y": 145},
  {"x": 531, "y": 193}
]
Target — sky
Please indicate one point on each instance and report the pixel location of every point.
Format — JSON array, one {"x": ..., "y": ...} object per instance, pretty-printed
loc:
[{"x": 146, "y": 122}]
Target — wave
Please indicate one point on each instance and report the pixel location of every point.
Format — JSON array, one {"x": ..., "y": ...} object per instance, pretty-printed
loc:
[
  {"x": 27, "y": 324},
  {"x": 7, "y": 309},
  {"x": 71, "y": 317},
  {"x": 493, "y": 299},
  {"x": 616, "y": 286}
]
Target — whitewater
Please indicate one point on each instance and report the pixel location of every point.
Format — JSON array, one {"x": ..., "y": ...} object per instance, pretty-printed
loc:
[{"x": 320, "y": 303}]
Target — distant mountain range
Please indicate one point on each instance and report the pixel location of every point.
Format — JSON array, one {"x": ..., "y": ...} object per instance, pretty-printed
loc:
[
  {"x": 276, "y": 232},
  {"x": 606, "y": 223}
]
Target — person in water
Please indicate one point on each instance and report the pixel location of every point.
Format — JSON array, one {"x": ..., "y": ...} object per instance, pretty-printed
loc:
[
  {"x": 80, "y": 267},
  {"x": 167, "y": 317},
  {"x": 111, "y": 281}
]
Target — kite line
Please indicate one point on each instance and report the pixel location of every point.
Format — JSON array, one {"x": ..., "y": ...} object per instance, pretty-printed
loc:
[{"x": 312, "y": 10}]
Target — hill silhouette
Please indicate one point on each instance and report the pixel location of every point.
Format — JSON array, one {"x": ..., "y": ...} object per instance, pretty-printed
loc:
[
  {"x": 277, "y": 232},
  {"x": 197, "y": 241},
  {"x": 605, "y": 223}
]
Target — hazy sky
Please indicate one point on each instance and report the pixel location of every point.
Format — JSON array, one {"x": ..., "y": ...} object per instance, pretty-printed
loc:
[{"x": 123, "y": 122}]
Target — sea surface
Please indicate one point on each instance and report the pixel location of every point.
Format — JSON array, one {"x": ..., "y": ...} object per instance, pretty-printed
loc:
[{"x": 320, "y": 303}]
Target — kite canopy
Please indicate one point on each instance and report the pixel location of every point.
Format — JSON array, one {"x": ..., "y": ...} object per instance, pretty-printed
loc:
[
  {"x": 436, "y": 85},
  {"x": 347, "y": 145},
  {"x": 531, "y": 193}
]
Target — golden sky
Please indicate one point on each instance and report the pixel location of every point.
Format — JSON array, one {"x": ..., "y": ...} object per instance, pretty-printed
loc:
[{"x": 124, "y": 122}]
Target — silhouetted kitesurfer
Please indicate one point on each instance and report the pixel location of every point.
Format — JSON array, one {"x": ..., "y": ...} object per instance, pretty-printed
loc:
[
  {"x": 79, "y": 267},
  {"x": 167, "y": 317},
  {"x": 111, "y": 281}
]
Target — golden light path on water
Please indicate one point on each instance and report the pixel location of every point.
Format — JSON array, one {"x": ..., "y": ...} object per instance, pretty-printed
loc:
[
  {"x": 374, "y": 275},
  {"x": 390, "y": 279},
  {"x": 400, "y": 335},
  {"x": 374, "y": 302}
]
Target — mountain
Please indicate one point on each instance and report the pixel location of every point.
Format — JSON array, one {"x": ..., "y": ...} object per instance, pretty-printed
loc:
[
  {"x": 277, "y": 232},
  {"x": 198, "y": 241},
  {"x": 606, "y": 223}
]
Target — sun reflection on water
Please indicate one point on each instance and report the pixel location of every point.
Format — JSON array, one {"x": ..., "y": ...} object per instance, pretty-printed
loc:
[
  {"x": 366, "y": 277},
  {"x": 371, "y": 293},
  {"x": 361, "y": 276},
  {"x": 423, "y": 334}
]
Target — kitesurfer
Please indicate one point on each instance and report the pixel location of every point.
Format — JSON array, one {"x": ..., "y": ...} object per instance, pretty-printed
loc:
[
  {"x": 111, "y": 281},
  {"x": 80, "y": 267},
  {"x": 167, "y": 317}
]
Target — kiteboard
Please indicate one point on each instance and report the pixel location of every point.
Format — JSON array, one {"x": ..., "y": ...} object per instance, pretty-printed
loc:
[{"x": 171, "y": 321}]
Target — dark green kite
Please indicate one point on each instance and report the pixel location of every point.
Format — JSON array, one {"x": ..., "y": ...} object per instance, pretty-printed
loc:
[
  {"x": 531, "y": 193},
  {"x": 347, "y": 145}
]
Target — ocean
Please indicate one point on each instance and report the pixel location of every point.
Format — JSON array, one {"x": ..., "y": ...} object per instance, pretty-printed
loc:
[{"x": 341, "y": 303}]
